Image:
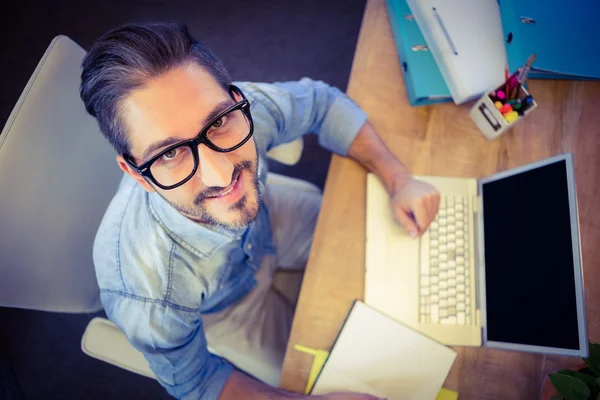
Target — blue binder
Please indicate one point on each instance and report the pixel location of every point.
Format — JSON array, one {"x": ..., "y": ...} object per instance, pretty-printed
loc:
[
  {"x": 422, "y": 77},
  {"x": 563, "y": 35}
]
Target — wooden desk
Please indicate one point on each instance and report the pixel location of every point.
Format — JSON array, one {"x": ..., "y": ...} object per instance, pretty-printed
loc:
[{"x": 442, "y": 140}]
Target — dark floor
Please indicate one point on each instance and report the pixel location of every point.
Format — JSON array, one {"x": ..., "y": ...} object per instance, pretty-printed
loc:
[{"x": 258, "y": 40}]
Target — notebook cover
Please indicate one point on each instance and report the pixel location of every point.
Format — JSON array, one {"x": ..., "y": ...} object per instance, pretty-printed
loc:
[
  {"x": 563, "y": 35},
  {"x": 377, "y": 355},
  {"x": 422, "y": 77}
]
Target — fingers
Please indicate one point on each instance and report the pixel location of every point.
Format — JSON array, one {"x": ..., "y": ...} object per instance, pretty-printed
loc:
[
  {"x": 404, "y": 219},
  {"x": 425, "y": 210},
  {"x": 421, "y": 212}
]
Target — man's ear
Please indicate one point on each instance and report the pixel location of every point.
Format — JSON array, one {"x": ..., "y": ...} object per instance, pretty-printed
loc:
[
  {"x": 236, "y": 96},
  {"x": 134, "y": 174}
]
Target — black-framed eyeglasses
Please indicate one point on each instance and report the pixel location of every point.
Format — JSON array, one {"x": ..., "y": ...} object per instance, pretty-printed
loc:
[{"x": 177, "y": 164}]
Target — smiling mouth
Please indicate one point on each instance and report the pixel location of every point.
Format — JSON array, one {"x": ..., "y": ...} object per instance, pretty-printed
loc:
[{"x": 228, "y": 189}]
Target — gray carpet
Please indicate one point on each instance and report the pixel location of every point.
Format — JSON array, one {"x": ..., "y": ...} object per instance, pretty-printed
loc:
[{"x": 258, "y": 40}]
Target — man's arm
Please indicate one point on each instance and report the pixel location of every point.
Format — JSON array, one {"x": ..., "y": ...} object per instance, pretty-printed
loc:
[
  {"x": 285, "y": 111},
  {"x": 414, "y": 203},
  {"x": 240, "y": 386}
]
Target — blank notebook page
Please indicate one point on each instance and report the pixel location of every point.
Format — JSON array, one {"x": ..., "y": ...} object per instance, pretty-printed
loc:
[{"x": 377, "y": 355}]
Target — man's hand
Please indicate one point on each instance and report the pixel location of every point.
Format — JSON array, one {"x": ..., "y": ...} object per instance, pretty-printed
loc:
[{"x": 414, "y": 205}]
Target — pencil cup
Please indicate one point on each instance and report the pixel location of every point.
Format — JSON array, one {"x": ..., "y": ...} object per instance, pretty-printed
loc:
[{"x": 488, "y": 118}]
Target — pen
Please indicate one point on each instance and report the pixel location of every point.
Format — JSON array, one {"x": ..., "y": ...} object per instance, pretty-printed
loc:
[{"x": 524, "y": 72}]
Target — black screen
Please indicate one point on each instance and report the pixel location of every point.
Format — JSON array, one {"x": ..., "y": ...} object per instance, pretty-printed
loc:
[{"x": 530, "y": 282}]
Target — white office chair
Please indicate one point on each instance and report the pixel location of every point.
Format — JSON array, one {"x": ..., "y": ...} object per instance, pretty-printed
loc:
[{"x": 57, "y": 176}]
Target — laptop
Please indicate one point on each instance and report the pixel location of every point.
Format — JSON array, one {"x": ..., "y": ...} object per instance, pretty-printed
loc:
[{"x": 499, "y": 267}]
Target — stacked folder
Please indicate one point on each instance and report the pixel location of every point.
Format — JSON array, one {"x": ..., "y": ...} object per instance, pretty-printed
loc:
[{"x": 458, "y": 49}]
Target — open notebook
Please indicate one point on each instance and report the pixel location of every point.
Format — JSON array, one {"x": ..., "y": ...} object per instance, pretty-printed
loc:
[{"x": 377, "y": 355}]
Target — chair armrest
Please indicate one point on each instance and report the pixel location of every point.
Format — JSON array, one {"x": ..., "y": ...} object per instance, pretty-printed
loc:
[
  {"x": 105, "y": 341},
  {"x": 287, "y": 153}
]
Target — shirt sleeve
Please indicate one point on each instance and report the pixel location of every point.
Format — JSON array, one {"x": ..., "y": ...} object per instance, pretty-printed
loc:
[
  {"x": 174, "y": 344},
  {"x": 284, "y": 111}
]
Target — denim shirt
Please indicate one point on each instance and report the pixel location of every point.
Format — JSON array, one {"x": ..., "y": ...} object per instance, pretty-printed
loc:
[{"x": 159, "y": 271}]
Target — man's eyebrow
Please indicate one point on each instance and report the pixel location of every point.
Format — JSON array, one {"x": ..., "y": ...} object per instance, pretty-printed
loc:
[{"x": 219, "y": 108}]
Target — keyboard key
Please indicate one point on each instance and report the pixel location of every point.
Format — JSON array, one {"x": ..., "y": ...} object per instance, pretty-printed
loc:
[
  {"x": 442, "y": 212},
  {"x": 424, "y": 309},
  {"x": 452, "y": 264},
  {"x": 443, "y": 303},
  {"x": 443, "y": 257},
  {"x": 435, "y": 280},
  {"x": 443, "y": 230},
  {"x": 451, "y": 219},
  {"x": 443, "y": 265},
  {"x": 460, "y": 269},
  {"x": 460, "y": 224},
  {"x": 424, "y": 299},
  {"x": 434, "y": 298},
  {"x": 434, "y": 289},
  {"x": 468, "y": 301},
  {"x": 452, "y": 283},
  {"x": 460, "y": 287},
  {"x": 451, "y": 236},
  {"x": 459, "y": 215},
  {"x": 468, "y": 320},
  {"x": 424, "y": 319},
  {"x": 434, "y": 243},
  {"x": 460, "y": 318},
  {"x": 450, "y": 320},
  {"x": 460, "y": 232},
  {"x": 434, "y": 252},
  {"x": 433, "y": 271},
  {"x": 443, "y": 313},
  {"x": 460, "y": 251},
  {"x": 443, "y": 248},
  {"x": 460, "y": 306},
  {"x": 451, "y": 301},
  {"x": 443, "y": 275},
  {"x": 433, "y": 261},
  {"x": 434, "y": 314},
  {"x": 443, "y": 285},
  {"x": 451, "y": 310},
  {"x": 460, "y": 297},
  {"x": 459, "y": 206},
  {"x": 443, "y": 294},
  {"x": 434, "y": 225},
  {"x": 443, "y": 239},
  {"x": 460, "y": 242},
  {"x": 460, "y": 279},
  {"x": 460, "y": 259},
  {"x": 452, "y": 275},
  {"x": 451, "y": 254},
  {"x": 425, "y": 291},
  {"x": 442, "y": 221},
  {"x": 433, "y": 234},
  {"x": 424, "y": 280}
]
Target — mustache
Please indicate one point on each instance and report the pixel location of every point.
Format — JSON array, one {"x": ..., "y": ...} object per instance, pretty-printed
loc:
[{"x": 213, "y": 190}]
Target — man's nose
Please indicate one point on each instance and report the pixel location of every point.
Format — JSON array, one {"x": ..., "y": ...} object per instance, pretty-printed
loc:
[{"x": 215, "y": 168}]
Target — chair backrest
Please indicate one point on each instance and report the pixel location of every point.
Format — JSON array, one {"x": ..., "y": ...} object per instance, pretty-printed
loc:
[{"x": 57, "y": 176}]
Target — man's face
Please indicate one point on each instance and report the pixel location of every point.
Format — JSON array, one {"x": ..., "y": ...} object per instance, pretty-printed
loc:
[{"x": 175, "y": 107}]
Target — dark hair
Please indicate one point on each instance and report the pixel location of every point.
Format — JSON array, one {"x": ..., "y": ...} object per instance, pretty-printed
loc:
[{"x": 125, "y": 58}]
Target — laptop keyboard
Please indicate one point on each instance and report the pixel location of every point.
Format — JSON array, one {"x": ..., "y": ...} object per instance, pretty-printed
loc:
[{"x": 444, "y": 281}]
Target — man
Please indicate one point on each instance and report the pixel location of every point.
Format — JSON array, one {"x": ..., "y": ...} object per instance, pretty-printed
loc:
[{"x": 186, "y": 252}]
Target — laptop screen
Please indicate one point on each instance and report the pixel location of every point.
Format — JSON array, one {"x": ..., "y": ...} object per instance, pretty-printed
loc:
[{"x": 529, "y": 266}]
